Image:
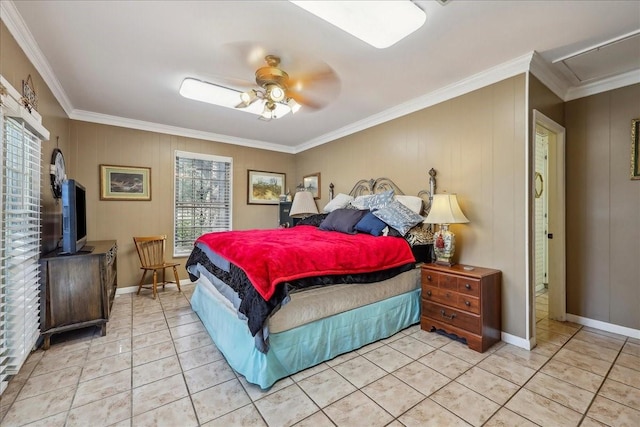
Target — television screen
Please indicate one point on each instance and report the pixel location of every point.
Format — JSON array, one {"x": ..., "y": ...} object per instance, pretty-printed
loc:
[{"x": 74, "y": 217}]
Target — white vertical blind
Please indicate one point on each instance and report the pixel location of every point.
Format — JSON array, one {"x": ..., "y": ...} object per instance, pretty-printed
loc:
[
  {"x": 20, "y": 236},
  {"x": 203, "y": 190}
]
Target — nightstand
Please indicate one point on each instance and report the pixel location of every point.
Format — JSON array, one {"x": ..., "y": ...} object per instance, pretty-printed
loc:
[{"x": 463, "y": 302}]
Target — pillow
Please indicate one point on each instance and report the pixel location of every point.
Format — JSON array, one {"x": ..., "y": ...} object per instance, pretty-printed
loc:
[
  {"x": 314, "y": 220},
  {"x": 398, "y": 216},
  {"x": 373, "y": 201},
  {"x": 371, "y": 224},
  {"x": 412, "y": 202},
  {"x": 339, "y": 202},
  {"x": 419, "y": 236},
  {"x": 343, "y": 220}
]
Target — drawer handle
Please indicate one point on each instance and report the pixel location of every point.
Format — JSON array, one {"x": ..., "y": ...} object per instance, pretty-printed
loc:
[
  {"x": 467, "y": 303},
  {"x": 429, "y": 278},
  {"x": 428, "y": 293},
  {"x": 447, "y": 317},
  {"x": 468, "y": 286}
]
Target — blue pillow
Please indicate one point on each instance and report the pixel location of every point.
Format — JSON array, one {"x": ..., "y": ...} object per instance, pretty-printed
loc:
[
  {"x": 373, "y": 201},
  {"x": 342, "y": 220},
  {"x": 398, "y": 216},
  {"x": 371, "y": 224}
]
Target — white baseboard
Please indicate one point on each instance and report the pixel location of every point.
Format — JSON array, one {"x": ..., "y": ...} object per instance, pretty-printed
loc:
[
  {"x": 604, "y": 326},
  {"x": 517, "y": 341},
  {"x": 133, "y": 289}
]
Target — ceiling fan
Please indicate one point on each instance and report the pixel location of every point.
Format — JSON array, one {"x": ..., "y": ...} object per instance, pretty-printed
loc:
[
  {"x": 277, "y": 93},
  {"x": 274, "y": 90}
]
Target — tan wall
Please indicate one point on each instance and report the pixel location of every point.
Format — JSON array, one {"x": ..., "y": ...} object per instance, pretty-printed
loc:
[
  {"x": 476, "y": 143},
  {"x": 94, "y": 144},
  {"x": 603, "y": 208}
]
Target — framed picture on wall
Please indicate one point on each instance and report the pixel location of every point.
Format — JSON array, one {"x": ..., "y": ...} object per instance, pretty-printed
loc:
[
  {"x": 312, "y": 183},
  {"x": 125, "y": 183},
  {"x": 265, "y": 188},
  {"x": 635, "y": 149}
]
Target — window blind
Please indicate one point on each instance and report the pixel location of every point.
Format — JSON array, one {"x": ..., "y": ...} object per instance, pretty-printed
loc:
[
  {"x": 20, "y": 250},
  {"x": 203, "y": 190}
]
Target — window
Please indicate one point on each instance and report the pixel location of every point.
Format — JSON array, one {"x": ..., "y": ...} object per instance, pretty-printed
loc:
[
  {"x": 202, "y": 198},
  {"x": 20, "y": 250}
]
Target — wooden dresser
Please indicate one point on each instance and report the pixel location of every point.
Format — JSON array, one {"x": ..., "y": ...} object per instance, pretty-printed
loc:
[
  {"x": 77, "y": 290},
  {"x": 462, "y": 302}
]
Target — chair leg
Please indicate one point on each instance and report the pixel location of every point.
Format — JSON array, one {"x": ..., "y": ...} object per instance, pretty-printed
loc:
[
  {"x": 155, "y": 283},
  {"x": 144, "y": 273},
  {"x": 164, "y": 279},
  {"x": 175, "y": 273}
]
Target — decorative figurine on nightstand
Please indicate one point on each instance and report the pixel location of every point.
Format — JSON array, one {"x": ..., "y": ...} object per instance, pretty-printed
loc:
[{"x": 444, "y": 211}]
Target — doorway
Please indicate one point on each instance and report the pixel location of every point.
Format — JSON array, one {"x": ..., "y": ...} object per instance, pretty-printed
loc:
[{"x": 549, "y": 259}]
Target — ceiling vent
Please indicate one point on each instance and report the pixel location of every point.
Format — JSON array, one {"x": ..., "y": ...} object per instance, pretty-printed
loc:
[{"x": 614, "y": 57}]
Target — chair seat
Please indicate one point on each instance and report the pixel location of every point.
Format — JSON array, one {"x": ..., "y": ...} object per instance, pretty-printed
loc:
[{"x": 159, "y": 266}]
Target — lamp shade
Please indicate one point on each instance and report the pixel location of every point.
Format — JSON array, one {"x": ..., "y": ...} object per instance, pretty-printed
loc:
[
  {"x": 303, "y": 205},
  {"x": 445, "y": 210}
]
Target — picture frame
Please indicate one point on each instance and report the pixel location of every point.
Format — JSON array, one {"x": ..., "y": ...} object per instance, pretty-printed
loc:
[
  {"x": 635, "y": 149},
  {"x": 125, "y": 183},
  {"x": 265, "y": 188},
  {"x": 312, "y": 184}
]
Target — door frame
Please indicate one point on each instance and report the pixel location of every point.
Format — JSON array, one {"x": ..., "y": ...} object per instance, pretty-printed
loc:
[{"x": 557, "y": 217}]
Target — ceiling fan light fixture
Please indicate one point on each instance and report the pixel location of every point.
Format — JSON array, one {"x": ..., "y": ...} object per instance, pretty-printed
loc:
[
  {"x": 269, "y": 111},
  {"x": 379, "y": 23},
  {"x": 293, "y": 105},
  {"x": 275, "y": 93},
  {"x": 247, "y": 98}
]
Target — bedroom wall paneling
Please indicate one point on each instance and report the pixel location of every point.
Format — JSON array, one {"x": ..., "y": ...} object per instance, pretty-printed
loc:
[
  {"x": 15, "y": 67},
  {"x": 603, "y": 205},
  {"x": 94, "y": 144},
  {"x": 476, "y": 143}
]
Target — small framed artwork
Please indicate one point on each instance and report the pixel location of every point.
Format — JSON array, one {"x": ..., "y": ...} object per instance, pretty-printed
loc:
[
  {"x": 265, "y": 188},
  {"x": 635, "y": 149},
  {"x": 125, "y": 183},
  {"x": 312, "y": 183}
]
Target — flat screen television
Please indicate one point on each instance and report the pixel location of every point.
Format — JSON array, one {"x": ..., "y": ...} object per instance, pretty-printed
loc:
[{"x": 74, "y": 217}]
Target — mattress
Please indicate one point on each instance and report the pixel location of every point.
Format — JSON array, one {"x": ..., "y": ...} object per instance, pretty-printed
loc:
[{"x": 314, "y": 304}]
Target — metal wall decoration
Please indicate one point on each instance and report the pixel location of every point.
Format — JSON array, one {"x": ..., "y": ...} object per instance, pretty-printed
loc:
[{"x": 29, "y": 97}]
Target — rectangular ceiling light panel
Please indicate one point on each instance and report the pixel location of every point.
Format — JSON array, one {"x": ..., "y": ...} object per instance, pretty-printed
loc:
[{"x": 379, "y": 23}]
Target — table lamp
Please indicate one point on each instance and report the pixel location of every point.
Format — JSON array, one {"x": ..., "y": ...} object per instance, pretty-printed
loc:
[
  {"x": 303, "y": 205},
  {"x": 444, "y": 211}
]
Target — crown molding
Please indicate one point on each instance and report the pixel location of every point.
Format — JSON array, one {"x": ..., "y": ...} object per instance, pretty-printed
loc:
[
  {"x": 611, "y": 83},
  {"x": 490, "y": 76},
  {"x": 124, "y": 122},
  {"x": 543, "y": 72},
  {"x": 18, "y": 29}
]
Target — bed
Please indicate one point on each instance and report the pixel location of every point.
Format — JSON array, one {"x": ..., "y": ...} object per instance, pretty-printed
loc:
[{"x": 274, "y": 311}]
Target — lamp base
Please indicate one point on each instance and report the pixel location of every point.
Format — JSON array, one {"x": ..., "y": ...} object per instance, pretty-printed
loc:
[{"x": 444, "y": 245}]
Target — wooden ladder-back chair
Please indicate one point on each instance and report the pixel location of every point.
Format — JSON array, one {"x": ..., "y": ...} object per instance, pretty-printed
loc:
[{"x": 151, "y": 252}]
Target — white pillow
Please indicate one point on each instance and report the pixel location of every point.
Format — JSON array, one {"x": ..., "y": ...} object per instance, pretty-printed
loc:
[
  {"x": 373, "y": 201},
  {"x": 339, "y": 202},
  {"x": 412, "y": 202}
]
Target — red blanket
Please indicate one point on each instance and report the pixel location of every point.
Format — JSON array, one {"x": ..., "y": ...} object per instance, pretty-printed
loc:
[{"x": 269, "y": 257}]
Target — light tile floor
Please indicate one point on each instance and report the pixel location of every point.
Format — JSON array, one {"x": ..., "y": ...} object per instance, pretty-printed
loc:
[{"x": 158, "y": 367}]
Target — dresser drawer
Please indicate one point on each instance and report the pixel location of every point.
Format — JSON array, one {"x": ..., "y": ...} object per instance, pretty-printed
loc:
[
  {"x": 442, "y": 281},
  {"x": 468, "y": 303},
  {"x": 468, "y": 286},
  {"x": 443, "y": 296},
  {"x": 451, "y": 316}
]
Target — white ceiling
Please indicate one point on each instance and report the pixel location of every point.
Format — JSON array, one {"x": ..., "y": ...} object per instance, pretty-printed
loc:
[{"x": 122, "y": 63}]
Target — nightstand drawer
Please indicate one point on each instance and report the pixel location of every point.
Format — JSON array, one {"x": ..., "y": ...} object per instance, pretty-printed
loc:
[
  {"x": 443, "y": 296},
  {"x": 442, "y": 281},
  {"x": 460, "y": 319},
  {"x": 468, "y": 303},
  {"x": 469, "y": 286}
]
